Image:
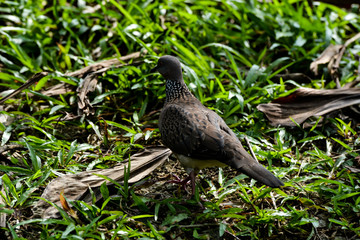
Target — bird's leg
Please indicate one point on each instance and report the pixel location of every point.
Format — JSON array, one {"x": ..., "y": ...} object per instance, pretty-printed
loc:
[
  {"x": 184, "y": 182},
  {"x": 192, "y": 178},
  {"x": 181, "y": 182}
]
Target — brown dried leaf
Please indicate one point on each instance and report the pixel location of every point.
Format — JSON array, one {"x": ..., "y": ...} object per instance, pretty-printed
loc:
[
  {"x": 87, "y": 86},
  {"x": 90, "y": 81},
  {"x": 58, "y": 89},
  {"x": 326, "y": 56},
  {"x": 89, "y": 74},
  {"x": 66, "y": 206},
  {"x": 36, "y": 77},
  {"x": 352, "y": 169},
  {"x": 307, "y": 102},
  {"x": 76, "y": 185},
  {"x": 333, "y": 55},
  {"x": 63, "y": 201}
]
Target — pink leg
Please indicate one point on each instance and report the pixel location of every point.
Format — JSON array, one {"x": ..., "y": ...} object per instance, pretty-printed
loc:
[
  {"x": 181, "y": 182},
  {"x": 192, "y": 178},
  {"x": 184, "y": 182}
]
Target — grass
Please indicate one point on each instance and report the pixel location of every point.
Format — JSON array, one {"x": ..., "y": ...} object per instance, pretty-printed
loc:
[{"x": 230, "y": 52}]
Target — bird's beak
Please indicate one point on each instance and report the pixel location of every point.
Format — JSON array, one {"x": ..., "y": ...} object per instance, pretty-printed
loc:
[{"x": 154, "y": 70}]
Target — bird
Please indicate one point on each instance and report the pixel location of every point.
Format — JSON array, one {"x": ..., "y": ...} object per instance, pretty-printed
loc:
[{"x": 198, "y": 137}]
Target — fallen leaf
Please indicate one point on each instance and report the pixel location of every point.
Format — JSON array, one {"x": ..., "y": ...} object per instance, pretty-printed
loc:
[
  {"x": 75, "y": 186},
  {"x": 333, "y": 55},
  {"x": 66, "y": 206},
  {"x": 307, "y": 102},
  {"x": 352, "y": 169},
  {"x": 90, "y": 75},
  {"x": 36, "y": 77},
  {"x": 326, "y": 56}
]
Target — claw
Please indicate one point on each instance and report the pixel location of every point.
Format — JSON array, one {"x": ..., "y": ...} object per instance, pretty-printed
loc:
[{"x": 177, "y": 180}]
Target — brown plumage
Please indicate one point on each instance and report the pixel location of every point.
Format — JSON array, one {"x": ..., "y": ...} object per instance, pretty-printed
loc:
[{"x": 199, "y": 137}]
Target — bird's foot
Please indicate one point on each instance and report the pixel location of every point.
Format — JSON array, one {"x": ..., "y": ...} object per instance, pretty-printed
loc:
[{"x": 183, "y": 182}]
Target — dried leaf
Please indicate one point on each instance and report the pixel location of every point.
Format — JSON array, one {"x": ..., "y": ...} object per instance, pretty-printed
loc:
[
  {"x": 89, "y": 84},
  {"x": 89, "y": 74},
  {"x": 75, "y": 186},
  {"x": 11, "y": 147},
  {"x": 58, "y": 89},
  {"x": 352, "y": 169},
  {"x": 334, "y": 65},
  {"x": 333, "y": 55},
  {"x": 307, "y": 102},
  {"x": 66, "y": 206},
  {"x": 63, "y": 201},
  {"x": 36, "y": 77},
  {"x": 326, "y": 56}
]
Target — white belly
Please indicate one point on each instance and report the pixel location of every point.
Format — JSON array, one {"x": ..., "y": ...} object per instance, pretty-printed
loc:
[{"x": 197, "y": 164}]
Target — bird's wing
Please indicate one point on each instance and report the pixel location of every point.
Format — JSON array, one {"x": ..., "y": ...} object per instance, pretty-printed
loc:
[
  {"x": 233, "y": 154},
  {"x": 200, "y": 133},
  {"x": 191, "y": 131}
]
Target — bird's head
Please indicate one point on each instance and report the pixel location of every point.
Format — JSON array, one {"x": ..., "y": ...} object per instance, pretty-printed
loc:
[{"x": 169, "y": 67}]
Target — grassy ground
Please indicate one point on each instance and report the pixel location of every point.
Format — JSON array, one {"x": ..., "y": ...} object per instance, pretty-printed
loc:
[{"x": 231, "y": 52}]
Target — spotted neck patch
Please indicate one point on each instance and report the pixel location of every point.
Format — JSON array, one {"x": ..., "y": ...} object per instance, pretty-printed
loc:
[{"x": 176, "y": 90}]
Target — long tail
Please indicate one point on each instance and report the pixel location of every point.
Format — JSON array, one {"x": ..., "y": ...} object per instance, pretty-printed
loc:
[{"x": 261, "y": 174}]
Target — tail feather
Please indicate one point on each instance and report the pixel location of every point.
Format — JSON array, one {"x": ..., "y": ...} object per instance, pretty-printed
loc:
[{"x": 261, "y": 174}]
